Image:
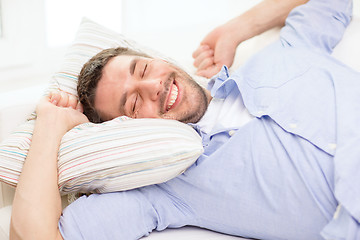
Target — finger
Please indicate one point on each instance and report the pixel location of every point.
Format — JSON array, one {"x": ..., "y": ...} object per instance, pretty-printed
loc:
[
  {"x": 210, "y": 71},
  {"x": 200, "y": 49},
  {"x": 72, "y": 102},
  {"x": 54, "y": 97},
  {"x": 208, "y": 62},
  {"x": 202, "y": 56},
  {"x": 63, "y": 102}
]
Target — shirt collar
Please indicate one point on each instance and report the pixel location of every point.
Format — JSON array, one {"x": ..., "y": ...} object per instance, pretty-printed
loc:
[
  {"x": 220, "y": 85},
  {"x": 214, "y": 83},
  {"x": 218, "y": 78}
]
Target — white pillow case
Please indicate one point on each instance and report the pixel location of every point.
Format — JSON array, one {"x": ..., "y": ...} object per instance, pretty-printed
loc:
[{"x": 113, "y": 156}]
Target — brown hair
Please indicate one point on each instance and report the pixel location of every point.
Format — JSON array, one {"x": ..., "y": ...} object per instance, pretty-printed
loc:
[{"x": 90, "y": 75}]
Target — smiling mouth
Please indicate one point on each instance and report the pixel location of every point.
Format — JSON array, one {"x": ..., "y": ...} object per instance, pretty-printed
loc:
[{"x": 173, "y": 97}]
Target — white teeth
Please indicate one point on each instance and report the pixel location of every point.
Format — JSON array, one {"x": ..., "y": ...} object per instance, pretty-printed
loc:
[{"x": 173, "y": 96}]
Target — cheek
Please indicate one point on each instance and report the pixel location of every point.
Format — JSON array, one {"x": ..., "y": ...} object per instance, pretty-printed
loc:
[
  {"x": 148, "y": 111},
  {"x": 162, "y": 67}
]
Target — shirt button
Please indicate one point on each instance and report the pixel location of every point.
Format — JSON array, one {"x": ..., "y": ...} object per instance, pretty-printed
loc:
[
  {"x": 293, "y": 125},
  {"x": 332, "y": 146},
  {"x": 231, "y": 133},
  {"x": 337, "y": 212}
]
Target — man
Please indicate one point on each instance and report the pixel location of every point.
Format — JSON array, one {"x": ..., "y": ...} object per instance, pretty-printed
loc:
[
  {"x": 281, "y": 148},
  {"x": 120, "y": 81}
]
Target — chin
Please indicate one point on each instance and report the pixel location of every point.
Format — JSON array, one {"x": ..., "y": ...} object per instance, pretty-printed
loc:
[{"x": 195, "y": 115}]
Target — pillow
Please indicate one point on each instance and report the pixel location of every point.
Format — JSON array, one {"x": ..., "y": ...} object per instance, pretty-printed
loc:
[{"x": 117, "y": 155}]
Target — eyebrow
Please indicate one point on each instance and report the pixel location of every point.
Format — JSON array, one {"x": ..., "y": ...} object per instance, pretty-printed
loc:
[{"x": 132, "y": 65}]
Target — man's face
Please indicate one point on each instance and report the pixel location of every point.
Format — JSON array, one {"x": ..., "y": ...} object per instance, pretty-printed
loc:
[{"x": 141, "y": 87}]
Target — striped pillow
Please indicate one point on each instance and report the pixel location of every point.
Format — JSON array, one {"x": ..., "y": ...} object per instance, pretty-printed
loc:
[{"x": 117, "y": 155}]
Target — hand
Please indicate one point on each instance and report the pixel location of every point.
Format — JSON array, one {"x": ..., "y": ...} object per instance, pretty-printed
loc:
[
  {"x": 63, "y": 108},
  {"x": 217, "y": 49}
]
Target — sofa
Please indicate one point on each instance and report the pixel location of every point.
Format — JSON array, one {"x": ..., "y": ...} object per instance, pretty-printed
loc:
[{"x": 14, "y": 110}]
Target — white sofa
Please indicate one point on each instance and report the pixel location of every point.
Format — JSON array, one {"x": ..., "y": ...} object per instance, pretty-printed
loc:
[{"x": 13, "y": 111}]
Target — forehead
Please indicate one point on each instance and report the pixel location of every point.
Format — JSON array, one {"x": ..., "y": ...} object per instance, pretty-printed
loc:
[
  {"x": 117, "y": 62},
  {"x": 109, "y": 88}
]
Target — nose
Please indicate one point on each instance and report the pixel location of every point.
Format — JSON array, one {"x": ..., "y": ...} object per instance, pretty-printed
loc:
[{"x": 151, "y": 88}]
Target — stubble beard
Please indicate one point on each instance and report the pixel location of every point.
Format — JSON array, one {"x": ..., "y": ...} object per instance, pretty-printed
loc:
[{"x": 192, "y": 115}]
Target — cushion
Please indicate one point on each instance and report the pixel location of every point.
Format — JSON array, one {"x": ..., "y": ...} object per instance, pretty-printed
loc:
[{"x": 117, "y": 155}]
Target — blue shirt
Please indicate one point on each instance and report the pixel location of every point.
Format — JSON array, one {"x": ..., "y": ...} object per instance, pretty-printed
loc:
[{"x": 280, "y": 176}]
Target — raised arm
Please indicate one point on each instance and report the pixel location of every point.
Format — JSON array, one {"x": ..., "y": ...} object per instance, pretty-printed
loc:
[
  {"x": 37, "y": 203},
  {"x": 318, "y": 25},
  {"x": 219, "y": 46}
]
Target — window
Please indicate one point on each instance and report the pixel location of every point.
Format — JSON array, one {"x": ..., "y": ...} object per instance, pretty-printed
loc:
[
  {"x": 36, "y": 33},
  {"x": 0, "y": 22},
  {"x": 21, "y": 32}
]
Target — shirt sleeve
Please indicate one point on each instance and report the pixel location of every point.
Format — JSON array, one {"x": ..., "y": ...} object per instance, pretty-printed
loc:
[
  {"x": 119, "y": 215},
  {"x": 319, "y": 24},
  {"x": 125, "y": 215}
]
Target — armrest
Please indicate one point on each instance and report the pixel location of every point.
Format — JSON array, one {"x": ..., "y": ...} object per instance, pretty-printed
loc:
[{"x": 16, "y": 106}]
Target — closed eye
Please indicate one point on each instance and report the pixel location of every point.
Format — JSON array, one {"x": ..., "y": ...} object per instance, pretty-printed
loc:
[
  {"x": 135, "y": 102},
  {"x": 143, "y": 73},
  {"x": 136, "y": 106}
]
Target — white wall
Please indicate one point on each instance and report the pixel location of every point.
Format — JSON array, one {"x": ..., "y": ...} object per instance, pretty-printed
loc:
[
  {"x": 27, "y": 58},
  {"x": 31, "y": 52}
]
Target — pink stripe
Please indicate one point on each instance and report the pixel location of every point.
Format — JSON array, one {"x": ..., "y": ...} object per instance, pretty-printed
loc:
[
  {"x": 101, "y": 157},
  {"x": 15, "y": 179}
]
